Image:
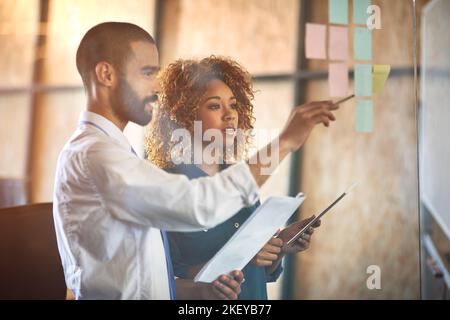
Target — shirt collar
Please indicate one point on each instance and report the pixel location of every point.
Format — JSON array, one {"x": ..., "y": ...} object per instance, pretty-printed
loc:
[{"x": 106, "y": 125}]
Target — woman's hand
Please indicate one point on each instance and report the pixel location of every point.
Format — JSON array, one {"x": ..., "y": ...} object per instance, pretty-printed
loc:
[
  {"x": 269, "y": 254},
  {"x": 303, "y": 242}
]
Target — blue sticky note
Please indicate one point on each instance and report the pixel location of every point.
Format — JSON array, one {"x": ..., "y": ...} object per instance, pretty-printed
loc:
[
  {"x": 363, "y": 80},
  {"x": 362, "y": 44},
  {"x": 364, "y": 116},
  {"x": 338, "y": 11},
  {"x": 360, "y": 14}
]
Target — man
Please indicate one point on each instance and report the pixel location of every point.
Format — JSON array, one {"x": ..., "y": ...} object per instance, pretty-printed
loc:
[{"x": 110, "y": 206}]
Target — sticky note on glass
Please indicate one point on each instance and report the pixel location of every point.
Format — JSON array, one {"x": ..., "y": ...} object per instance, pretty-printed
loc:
[
  {"x": 380, "y": 74},
  {"x": 338, "y": 11},
  {"x": 338, "y": 79},
  {"x": 315, "y": 41},
  {"x": 364, "y": 116},
  {"x": 360, "y": 14},
  {"x": 338, "y": 43},
  {"x": 362, "y": 44},
  {"x": 363, "y": 80}
]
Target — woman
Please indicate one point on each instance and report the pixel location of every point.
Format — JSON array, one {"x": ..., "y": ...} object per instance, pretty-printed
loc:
[{"x": 217, "y": 92}]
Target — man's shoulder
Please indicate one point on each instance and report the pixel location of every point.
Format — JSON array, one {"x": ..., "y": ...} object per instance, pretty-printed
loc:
[
  {"x": 89, "y": 139},
  {"x": 84, "y": 143}
]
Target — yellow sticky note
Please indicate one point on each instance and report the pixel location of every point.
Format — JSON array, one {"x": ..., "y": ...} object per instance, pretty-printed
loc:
[{"x": 380, "y": 73}]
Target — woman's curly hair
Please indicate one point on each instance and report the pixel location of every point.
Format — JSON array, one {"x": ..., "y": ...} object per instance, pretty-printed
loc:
[{"x": 183, "y": 85}]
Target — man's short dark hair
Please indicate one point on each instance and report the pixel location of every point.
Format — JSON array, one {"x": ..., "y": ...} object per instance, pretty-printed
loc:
[{"x": 110, "y": 42}]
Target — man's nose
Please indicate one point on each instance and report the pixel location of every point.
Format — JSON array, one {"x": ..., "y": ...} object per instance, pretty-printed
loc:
[{"x": 155, "y": 87}]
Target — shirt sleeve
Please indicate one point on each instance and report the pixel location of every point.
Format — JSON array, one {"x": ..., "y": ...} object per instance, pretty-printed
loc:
[{"x": 136, "y": 191}]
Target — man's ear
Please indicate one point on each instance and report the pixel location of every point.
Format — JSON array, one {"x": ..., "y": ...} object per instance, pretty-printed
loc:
[{"x": 105, "y": 74}]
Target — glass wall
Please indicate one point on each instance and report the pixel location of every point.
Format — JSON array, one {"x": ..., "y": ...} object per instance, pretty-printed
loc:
[{"x": 368, "y": 245}]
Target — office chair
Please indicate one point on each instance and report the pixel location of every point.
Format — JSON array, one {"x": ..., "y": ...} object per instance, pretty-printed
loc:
[{"x": 30, "y": 266}]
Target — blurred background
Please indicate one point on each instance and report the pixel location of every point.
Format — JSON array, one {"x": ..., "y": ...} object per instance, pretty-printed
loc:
[{"x": 41, "y": 97}]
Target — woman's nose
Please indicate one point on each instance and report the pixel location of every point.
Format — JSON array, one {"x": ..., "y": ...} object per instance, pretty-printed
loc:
[{"x": 230, "y": 115}]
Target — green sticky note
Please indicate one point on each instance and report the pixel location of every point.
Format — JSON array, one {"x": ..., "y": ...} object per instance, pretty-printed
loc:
[
  {"x": 338, "y": 11},
  {"x": 362, "y": 44},
  {"x": 360, "y": 14},
  {"x": 363, "y": 80},
  {"x": 380, "y": 74},
  {"x": 364, "y": 116}
]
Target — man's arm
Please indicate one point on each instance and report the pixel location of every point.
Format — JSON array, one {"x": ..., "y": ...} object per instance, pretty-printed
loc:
[
  {"x": 136, "y": 191},
  {"x": 297, "y": 129}
]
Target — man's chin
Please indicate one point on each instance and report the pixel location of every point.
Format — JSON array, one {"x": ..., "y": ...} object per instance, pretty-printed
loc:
[{"x": 143, "y": 120}]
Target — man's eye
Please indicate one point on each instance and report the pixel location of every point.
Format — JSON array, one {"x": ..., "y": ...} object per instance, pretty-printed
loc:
[{"x": 148, "y": 73}]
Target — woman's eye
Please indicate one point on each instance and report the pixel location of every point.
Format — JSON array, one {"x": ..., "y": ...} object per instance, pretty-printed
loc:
[
  {"x": 234, "y": 106},
  {"x": 214, "y": 106}
]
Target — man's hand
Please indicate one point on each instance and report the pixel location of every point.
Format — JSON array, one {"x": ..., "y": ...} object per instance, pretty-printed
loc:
[
  {"x": 268, "y": 254},
  {"x": 302, "y": 243},
  {"x": 297, "y": 129},
  {"x": 193, "y": 270},
  {"x": 302, "y": 120},
  {"x": 224, "y": 287}
]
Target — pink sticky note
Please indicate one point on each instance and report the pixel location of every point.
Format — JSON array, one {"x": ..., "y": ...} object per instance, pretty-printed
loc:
[
  {"x": 338, "y": 43},
  {"x": 315, "y": 41},
  {"x": 338, "y": 79}
]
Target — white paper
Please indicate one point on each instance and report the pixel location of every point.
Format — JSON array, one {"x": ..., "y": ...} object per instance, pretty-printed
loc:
[{"x": 251, "y": 237}]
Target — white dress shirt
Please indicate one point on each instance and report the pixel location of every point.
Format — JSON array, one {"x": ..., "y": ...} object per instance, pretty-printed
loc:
[{"x": 109, "y": 206}]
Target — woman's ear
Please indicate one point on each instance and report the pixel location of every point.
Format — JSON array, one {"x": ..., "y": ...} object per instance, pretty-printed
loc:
[{"x": 105, "y": 73}]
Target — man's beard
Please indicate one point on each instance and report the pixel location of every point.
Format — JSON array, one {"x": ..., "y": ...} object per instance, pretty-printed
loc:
[{"x": 128, "y": 106}]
